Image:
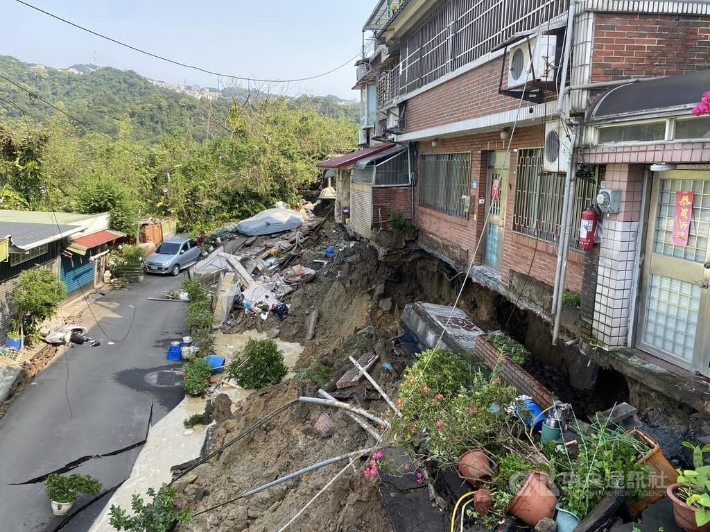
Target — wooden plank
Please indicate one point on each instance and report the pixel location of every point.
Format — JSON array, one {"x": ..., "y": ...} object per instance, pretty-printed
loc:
[{"x": 246, "y": 279}]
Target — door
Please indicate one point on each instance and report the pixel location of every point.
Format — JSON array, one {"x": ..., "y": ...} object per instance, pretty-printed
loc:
[
  {"x": 675, "y": 300},
  {"x": 77, "y": 271},
  {"x": 496, "y": 194},
  {"x": 195, "y": 251}
]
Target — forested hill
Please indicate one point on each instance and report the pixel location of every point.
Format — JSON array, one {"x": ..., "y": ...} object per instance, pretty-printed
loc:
[{"x": 100, "y": 98}]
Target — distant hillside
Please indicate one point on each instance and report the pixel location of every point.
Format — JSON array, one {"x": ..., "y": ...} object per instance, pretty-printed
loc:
[{"x": 97, "y": 97}]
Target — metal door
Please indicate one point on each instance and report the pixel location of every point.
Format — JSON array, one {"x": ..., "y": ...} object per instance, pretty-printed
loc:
[
  {"x": 496, "y": 194},
  {"x": 675, "y": 300},
  {"x": 77, "y": 271}
]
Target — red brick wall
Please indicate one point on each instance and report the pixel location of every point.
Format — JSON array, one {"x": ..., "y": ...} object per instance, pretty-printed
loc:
[
  {"x": 461, "y": 236},
  {"x": 387, "y": 200},
  {"x": 649, "y": 45},
  {"x": 513, "y": 374},
  {"x": 469, "y": 95}
]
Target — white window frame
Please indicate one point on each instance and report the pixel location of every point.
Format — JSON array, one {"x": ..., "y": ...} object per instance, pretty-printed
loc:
[{"x": 19, "y": 258}]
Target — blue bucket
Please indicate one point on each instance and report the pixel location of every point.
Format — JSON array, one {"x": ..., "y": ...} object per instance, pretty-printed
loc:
[
  {"x": 536, "y": 418},
  {"x": 216, "y": 363},
  {"x": 175, "y": 352}
]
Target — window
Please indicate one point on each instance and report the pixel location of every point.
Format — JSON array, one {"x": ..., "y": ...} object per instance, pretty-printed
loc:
[
  {"x": 168, "y": 248},
  {"x": 641, "y": 132},
  {"x": 19, "y": 258},
  {"x": 539, "y": 197},
  {"x": 444, "y": 184},
  {"x": 693, "y": 128}
]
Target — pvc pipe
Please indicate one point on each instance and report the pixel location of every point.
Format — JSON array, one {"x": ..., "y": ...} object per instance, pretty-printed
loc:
[
  {"x": 377, "y": 386},
  {"x": 367, "y": 428},
  {"x": 345, "y": 406},
  {"x": 564, "y": 246},
  {"x": 308, "y": 469},
  {"x": 568, "y": 52}
]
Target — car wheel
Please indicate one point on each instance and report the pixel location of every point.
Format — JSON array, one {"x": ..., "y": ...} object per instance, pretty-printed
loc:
[{"x": 176, "y": 270}]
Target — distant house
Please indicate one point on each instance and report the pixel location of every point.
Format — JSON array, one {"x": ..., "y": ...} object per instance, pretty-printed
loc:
[{"x": 72, "y": 245}]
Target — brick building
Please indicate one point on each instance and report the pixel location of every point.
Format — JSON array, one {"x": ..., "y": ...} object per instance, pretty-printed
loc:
[{"x": 472, "y": 90}]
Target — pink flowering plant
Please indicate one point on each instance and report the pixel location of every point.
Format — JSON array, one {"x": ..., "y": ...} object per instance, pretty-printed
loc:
[
  {"x": 378, "y": 463},
  {"x": 448, "y": 408},
  {"x": 703, "y": 108}
]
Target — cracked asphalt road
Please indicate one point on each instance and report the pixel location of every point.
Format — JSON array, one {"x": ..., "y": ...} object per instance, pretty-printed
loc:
[{"x": 111, "y": 397}]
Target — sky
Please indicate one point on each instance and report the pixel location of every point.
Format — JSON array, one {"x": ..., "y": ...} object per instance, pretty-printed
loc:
[{"x": 280, "y": 39}]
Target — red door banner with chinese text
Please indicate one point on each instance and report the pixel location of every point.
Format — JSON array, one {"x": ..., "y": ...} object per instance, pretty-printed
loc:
[{"x": 683, "y": 216}]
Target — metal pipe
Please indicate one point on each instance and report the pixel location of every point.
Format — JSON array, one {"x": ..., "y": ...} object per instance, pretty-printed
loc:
[
  {"x": 377, "y": 386},
  {"x": 367, "y": 428},
  {"x": 565, "y": 236},
  {"x": 344, "y": 406},
  {"x": 567, "y": 53},
  {"x": 308, "y": 469}
]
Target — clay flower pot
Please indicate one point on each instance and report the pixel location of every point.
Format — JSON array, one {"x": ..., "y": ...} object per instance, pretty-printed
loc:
[
  {"x": 482, "y": 502},
  {"x": 535, "y": 500},
  {"x": 475, "y": 467},
  {"x": 684, "y": 514}
]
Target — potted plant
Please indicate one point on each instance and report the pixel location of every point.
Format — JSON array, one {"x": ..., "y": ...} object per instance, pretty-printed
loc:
[
  {"x": 14, "y": 341},
  {"x": 529, "y": 483},
  {"x": 691, "y": 495},
  {"x": 63, "y": 491}
]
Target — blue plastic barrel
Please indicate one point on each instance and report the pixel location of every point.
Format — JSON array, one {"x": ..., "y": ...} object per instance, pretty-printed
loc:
[
  {"x": 174, "y": 352},
  {"x": 536, "y": 416},
  {"x": 216, "y": 363}
]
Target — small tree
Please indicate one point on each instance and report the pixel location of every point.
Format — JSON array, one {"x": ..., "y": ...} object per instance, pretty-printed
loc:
[
  {"x": 260, "y": 364},
  {"x": 159, "y": 516},
  {"x": 36, "y": 298}
]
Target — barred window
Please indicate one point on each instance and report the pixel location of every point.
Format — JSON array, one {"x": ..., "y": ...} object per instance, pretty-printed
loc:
[
  {"x": 539, "y": 197},
  {"x": 444, "y": 183}
]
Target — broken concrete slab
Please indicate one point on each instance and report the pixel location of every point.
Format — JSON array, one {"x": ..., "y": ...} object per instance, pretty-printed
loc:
[
  {"x": 8, "y": 379},
  {"x": 427, "y": 321}
]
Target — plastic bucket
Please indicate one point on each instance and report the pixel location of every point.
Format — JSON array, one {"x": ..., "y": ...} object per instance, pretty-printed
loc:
[
  {"x": 175, "y": 352},
  {"x": 187, "y": 340},
  {"x": 566, "y": 521},
  {"x": 216, "y": 363},
  {"x": 536, "y": 416}
]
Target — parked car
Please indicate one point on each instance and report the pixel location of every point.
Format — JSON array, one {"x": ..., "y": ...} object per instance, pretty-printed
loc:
[{"x": 173, "y": 255}]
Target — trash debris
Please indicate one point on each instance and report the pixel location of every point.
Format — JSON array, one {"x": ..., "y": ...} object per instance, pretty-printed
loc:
[
  {"x": 352, "y": 376},
  {"x": 270, "y": 221},
  {"x": 281, "y": 311},
  {"x": 325, "y": 426}
]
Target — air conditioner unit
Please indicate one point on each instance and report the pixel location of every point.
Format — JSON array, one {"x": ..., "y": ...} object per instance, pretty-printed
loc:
[
  {"x": 532, "y": 60},
  {"x": 393, "y": 119},
  {"x": 363, "y": 139},
  {"x": 558, "y": 149}
]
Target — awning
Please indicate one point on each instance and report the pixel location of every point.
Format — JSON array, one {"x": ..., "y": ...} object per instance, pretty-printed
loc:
[
  {"x": 394, "y": 150},
  {"x": 351, "y": 158},
  {"x": 82, "y": 244},
  {"x": 672, "y": 94}
]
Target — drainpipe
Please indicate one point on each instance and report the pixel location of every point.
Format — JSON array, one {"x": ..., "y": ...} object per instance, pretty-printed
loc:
[
  {"x": 565, "y": 234},
  {"x": 563, "y": 116}
]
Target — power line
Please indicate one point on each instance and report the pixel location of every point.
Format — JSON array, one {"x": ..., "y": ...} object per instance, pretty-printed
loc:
[{"x": 179, "y": 63}]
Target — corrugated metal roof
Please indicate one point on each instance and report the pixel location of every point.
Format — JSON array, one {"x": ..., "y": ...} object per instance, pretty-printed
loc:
[
  {"x": 82, "y": 244},
  {"x": 653, "y": 96},
  {"x": 31, "y": 235},
  {"x": 394, "y": 150},
  {"x": 351, "y": 158}
]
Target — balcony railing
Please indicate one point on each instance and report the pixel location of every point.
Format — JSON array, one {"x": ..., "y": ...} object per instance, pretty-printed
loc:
[
  {"x": 460, "y": 32},
  {"x": 387, "y": 86}
]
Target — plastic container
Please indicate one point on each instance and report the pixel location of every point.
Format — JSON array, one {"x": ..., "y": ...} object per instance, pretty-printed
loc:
[
  {"x": 187, "y": 340},
  {"x": 662, "y": 474},
  {"x": 330, "y": 252},
  {"x": 536, "y": 416},
  {"x": 216, "y": 363},
  {"x": 566, "y": 521},
  {"x": 175, "y": 351},
  {"x": 550, "y": 433},
  {"x": 15, "y": 344}
]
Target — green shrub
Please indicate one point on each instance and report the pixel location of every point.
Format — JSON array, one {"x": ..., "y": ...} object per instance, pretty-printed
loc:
[
  {"x": 66, "y": 489},
  {"x": 316, "y": 372},
  {"x": 399, "y": 224},
  {"x": 260, "y": 364},
  {"x": 512, "y": 349},
  {"x": 572, "y": 299},
  {"x": 197, "y": 374},
  {"x": 161, "y": 515},
  {"x": 126, "y": 260},
  {"x": 195, "y": 289},
  {"x": 37, "y": 296},
  {"x": 200, "y": 315}
]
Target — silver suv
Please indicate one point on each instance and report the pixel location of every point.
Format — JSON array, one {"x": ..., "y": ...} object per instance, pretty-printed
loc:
[{"x": 173, "y": 255}]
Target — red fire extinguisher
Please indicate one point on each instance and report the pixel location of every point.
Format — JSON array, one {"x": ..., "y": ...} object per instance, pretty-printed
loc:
[{"x": 588, "y": 229}]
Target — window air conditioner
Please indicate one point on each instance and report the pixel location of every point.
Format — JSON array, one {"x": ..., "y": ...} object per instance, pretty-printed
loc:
[
  {"x": 557, "y": 147},
  {"x": 532, "y": 60}
]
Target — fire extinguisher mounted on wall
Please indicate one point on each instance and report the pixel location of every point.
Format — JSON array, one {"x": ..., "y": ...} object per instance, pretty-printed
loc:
[{"x": 588, "y": 227}]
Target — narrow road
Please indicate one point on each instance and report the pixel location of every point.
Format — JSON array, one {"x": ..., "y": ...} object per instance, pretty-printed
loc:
[{"x": 93, "y": 401}]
